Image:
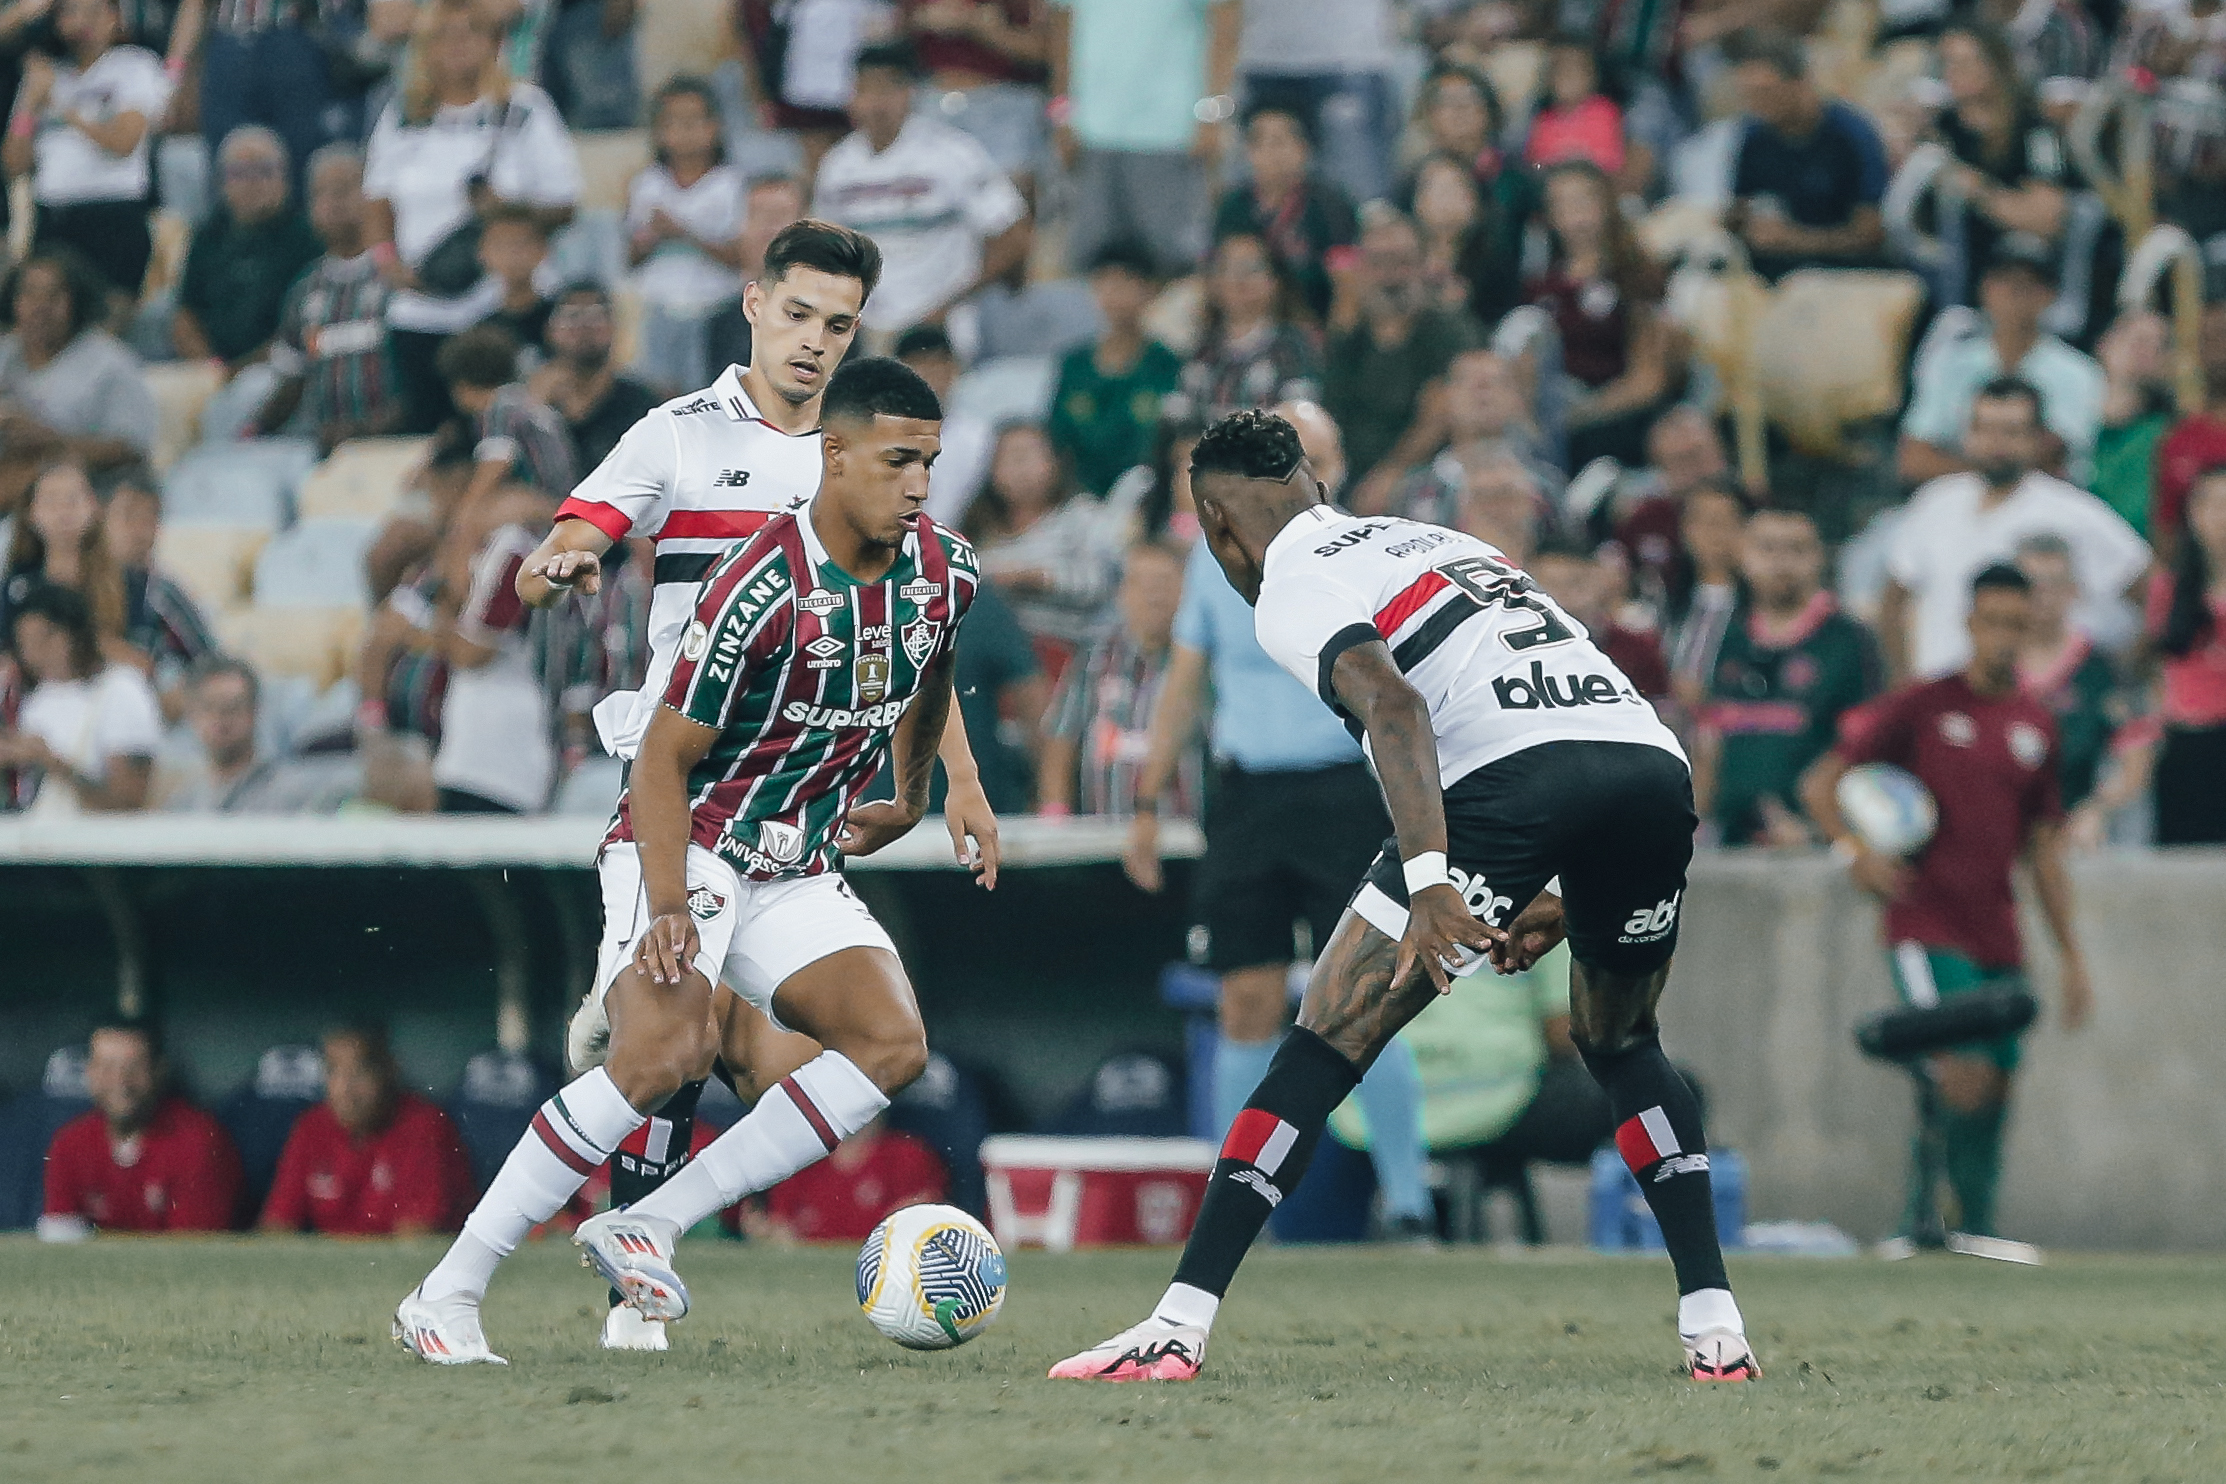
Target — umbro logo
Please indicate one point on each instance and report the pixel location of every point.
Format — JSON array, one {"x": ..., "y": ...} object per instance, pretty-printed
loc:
[
  {"x": 730, "y": 479},
  {"x": 823, "y": 646}
]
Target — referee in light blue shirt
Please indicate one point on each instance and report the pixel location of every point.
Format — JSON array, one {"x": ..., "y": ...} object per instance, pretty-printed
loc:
[{"x": 1293, "y": 820}]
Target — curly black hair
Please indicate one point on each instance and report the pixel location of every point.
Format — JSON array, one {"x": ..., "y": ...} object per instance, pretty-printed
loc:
[{"x": 1254, "y": 444}]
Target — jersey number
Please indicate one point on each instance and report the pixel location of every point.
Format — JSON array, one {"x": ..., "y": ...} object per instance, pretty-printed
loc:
[{"x": 1495, "y": 584}]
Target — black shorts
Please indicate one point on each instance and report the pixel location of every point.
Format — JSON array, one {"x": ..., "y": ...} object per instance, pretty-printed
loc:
[
  {"x": 1281, "y": 847},
  {"x": 1614, "y": 820}
]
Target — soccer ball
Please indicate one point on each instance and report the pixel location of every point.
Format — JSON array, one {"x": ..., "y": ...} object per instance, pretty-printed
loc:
[
  {"x": 931, "y": 1277},
  {"x": 1887, "y": 806}
]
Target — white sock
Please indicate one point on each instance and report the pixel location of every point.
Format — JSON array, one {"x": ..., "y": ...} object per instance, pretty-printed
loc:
[
  {"x": 1705, "y": 1309},
  {"x": 1183, "y": 1304},
  {"x": 572, "y": 1134},
  {"x": 798, "y": 1123}
]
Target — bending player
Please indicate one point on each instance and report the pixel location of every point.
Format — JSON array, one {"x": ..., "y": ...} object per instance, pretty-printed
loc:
[
  {"x": 818, "y": 648},
  {"x": 1509, "y": 750},
  {"x": 695, "y": 475}
]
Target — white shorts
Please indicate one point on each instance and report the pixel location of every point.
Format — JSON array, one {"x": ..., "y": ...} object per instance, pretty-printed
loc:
[{"x": 752, "y": 934}]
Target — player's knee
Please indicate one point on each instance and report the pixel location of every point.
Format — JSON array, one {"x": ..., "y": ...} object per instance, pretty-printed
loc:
[{"x": 893, "y": 1061}]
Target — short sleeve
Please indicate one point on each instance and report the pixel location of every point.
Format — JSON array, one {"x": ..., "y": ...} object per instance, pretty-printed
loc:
[
  {"x": 1304, "y": 625},
  {"x": 130, "y": 721},
  {"x": 629, "y": 493},
  {"x": 538, "y": 164},
  {"x": 740, "y": 619}
]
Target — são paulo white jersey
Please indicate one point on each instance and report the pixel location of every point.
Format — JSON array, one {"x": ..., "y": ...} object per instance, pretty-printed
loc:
[
  {"x": 695, "y": 476},
  {"x": 1500, "y": 665}
]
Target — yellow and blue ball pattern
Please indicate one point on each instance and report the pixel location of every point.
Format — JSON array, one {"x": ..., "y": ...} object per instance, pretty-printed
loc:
[{"x": 931, "y": 1277}]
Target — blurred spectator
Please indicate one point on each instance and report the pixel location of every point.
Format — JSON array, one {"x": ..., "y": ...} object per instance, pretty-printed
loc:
[
  {"x": 2136, "y": 413},
  {"x": 1329, "y": 67},
  {"x": 1959, "y": 523},
  {"x": 1052, "y": 550},
  {"x": 245, "y": 258},
  {"x": 1106, "y": 404},
  {"x": 1098, "y": 730},
  {"x": 589, "y": 67},
  {"x": 771, "y": 203},
  {"x": 1459, "y": 114},
  {"x": 799, "y": 58},
  {"x": 1711, "y": 528},
  {"x": 160, "y": 620},
  {"x": 597, "y": 403},
  {"x": 1385, "y": 379},
  {"x": 496, "y": 753},
  {"x": 330, "y": 350},
  {"x": 57, "y": 541},
  {"x": 89, "y": 730},
  {"x": 513, "y": 249},
  {"x": 1302, "y": 217},
  {"x": 1646, "y": 513},
  {"x": 946, "y": 218},
  {"x": 1143, "y": 93},
  {"x": 2060, "y": 666},
  {"x": 1576, "y": 119},
  {"x": 68, "y": 388},
  {"x": 1578, "y": 580},
  {"x": 1500, "y": 501},
  {"x": 846, "y": 1195},
  {"x": 985, "y": 64},
  {"x": 300, "y": 70},
  {"x": 372, "y": 1159},
  {"x": 1159, "y": 491},
  {"x": 1468, "y": 257},
  {"x": 2197, "y": 441},
  {"x": 1810, "y": 172},
  {"x": 458, "y": 138},
  {"x": 1604, "y": 296},
  {"x": 2013, "y": 168},
  {"x": 1250, "y": 351},
  {"x": 516, "y": 438},
  {"x": 1784, "y": 676},
  {"x": 233, "y": 776},
  {"x": 2019, "y": 285},
  {"x": 1002, "y": 694},
  {"x": 84, "y": 134},
  {"x": 684, "y": 217},
  {"x": 1484, "y": 410},
  {"x": 967, "y": 436},
  {"x": 144, "y": 1159}
]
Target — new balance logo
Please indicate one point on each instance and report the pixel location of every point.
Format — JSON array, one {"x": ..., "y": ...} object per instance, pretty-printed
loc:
[
  {"x": 1681, "y": 1164},
  {"x": 1543, "y": 692},
  {"x": 730, "y": 479},
  {"x": 1259, "y": 1185}
]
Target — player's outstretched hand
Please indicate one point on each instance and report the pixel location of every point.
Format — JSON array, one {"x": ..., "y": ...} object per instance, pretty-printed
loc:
[
  {"x": 1442, "y": 936},
  {"x": 1532, "y": 935},
  {"x": 874, "y": 825},
  {"x": 973, "y": 827},
  {"x": 580, "y": 571},
  {"x": 668, "y": 950}
]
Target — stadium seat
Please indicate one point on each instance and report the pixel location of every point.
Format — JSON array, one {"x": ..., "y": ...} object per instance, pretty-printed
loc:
[
  {"x": 609, "y": 161},
  {"x": 214, "y": 564},
  {"x": 947, "y": 1109},
  {"x": 237, "y": 484},
  {"x": 363, "y": 479},
  {"x": 1134, "y": 1094},
  {"x": 181, "y": 389},
  {"x": 317, "y": 564},
  {"x": 28, "y": 1124},
  {"x": 288, "y": 1081},
  {"x": 494, "y": 1104},
  {"x": 320, "y": 643},
  {"x": 678, "y": 36}
]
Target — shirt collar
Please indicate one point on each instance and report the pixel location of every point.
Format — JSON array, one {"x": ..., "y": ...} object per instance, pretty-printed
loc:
[
  {"x": 1301, "y": 527},
  {"x": 735, "y": 402}
]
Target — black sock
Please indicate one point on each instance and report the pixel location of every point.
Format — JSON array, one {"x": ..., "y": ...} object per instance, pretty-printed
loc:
[
  {"x": 1264, "y": 1156},
  {"x": 666, "y": 1134},
  {"x": 1658, "y": 1133}
]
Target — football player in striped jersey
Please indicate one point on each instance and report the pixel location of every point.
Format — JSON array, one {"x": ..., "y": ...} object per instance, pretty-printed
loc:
[
  {"x": 1510, "y": 751},
  {"x": 817, "y": 649}
]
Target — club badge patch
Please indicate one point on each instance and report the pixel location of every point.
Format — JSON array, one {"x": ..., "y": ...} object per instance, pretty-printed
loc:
[
  {"x": 705, "y": 904},
  {"x": 919, "y": 640},
  {"x": 872, "y": 676}
]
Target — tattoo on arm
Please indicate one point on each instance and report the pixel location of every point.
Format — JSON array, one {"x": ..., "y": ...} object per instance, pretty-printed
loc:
[
  {"x": 1352, "y": 1003},
  {"x": 921, "y": 734}
]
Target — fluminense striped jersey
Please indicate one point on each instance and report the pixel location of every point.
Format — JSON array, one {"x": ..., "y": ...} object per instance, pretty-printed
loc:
[
  {"x": 1499, "y": 663},
  {"x": 805, "y": 671}
]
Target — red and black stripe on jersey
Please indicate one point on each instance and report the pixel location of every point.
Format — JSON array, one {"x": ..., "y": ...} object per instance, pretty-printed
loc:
[{"x": 806, "y": 683}]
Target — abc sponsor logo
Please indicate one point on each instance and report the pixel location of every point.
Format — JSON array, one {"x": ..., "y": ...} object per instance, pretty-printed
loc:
[{"x": 1652, "y": 924}]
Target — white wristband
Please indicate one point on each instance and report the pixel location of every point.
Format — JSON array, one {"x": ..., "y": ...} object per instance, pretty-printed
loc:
[{"x": 1426, "y": 870}]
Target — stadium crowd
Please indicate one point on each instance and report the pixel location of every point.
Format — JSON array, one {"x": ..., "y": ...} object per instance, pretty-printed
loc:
[{"x": 1752, "y": 329}]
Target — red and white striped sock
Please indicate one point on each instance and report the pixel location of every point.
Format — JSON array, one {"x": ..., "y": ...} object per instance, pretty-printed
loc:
[
  {"x": 798, "y": 1123},
  {"x": 570, "y": 1136}
]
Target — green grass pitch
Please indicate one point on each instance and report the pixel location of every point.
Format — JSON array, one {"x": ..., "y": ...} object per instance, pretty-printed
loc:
[{"x": 247, "y": 1360}]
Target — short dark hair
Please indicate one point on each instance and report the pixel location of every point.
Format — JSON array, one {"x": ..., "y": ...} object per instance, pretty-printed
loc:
[
  {"x": 2010, "y": 389},
  {"x": 482, "y": 356},
  {"x": 216, "y": 666},
  {"x": 889, "y": 56},
  {"x": 1471, "y": 78},
  {"x": 924, "y": 340},
  {"x": 1126, "y": 255},
  {"x": 2000, "y": 577},
  {"x": 68, "y": 610},
  {"x": 879, "y": 386},
  {"x": 516, "y": 214},
  {"x": 80, "y": 280},
  {"x": 688, "y": 85},
  {"x": 584, "y": 288},
  {"x": 811, "y": 243},
  {"x": 130, "y": 1025},
  {"x": 1779, "y": 50},
  {"x": 1283, "y": 108},
  {"x": 1254, "y": 444},
  {"x": 371, "y": 1035}
]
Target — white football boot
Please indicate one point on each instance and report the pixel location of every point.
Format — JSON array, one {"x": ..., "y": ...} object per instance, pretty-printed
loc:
[
  {"x": 634, "y": 1255},
  {"x": 587, "y": 1036},
  {"x": 1155, "y": 1350},
  {"x": 444, "y": 1331},
  {"x": 625, "y": 1329},
  {"x": 1720, "y": 1355}
]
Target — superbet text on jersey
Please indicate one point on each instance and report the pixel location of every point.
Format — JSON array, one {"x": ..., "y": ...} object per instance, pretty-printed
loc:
[
  {"x": 1498, "y": 662},
  {"x": 694, "y": 475}
]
